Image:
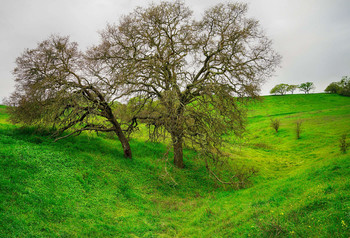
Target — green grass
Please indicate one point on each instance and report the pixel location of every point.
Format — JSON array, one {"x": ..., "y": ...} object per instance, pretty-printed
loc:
[{"x": 83, "y": 187}]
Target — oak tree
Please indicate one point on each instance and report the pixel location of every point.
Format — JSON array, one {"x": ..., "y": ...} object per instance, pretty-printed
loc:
[
  {"x": 59, "y": 86},
  {"x": 190, "y": 76},
  {"x": 291, "y": 88},
  {"x": 280, "y": 89},
  {"x": 307, "y": 87}
]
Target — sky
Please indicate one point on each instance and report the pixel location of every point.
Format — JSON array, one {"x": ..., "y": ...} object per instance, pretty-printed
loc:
[{"x": 313, "y": 36}]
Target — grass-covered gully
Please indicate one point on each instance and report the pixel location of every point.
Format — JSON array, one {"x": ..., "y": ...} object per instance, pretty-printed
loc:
[{"x": 84, "y": 187}]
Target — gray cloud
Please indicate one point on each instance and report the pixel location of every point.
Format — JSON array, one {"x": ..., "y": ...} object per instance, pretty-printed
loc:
[{"x": 312, "y": 36}]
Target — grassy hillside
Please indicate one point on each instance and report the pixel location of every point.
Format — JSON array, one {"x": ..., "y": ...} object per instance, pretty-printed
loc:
[{"x": 83, "y": 187}]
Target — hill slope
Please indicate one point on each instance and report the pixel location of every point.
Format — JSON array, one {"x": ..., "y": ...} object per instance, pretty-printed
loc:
[{"x": 83, "y": 187}]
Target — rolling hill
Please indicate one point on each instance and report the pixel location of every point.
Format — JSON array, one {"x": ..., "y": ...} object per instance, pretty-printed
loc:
[{"x": 83, "y": 187}]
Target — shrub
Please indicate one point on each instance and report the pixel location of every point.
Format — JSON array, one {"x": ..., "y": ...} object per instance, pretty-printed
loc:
[
  {"x": 275, "y": 124},
  {"x": 333, "y": 88},
  {"x": 343, "y": 144},
  {"x": 342, "y": 87},
  {"x": 345, "y": 86},
  {"x": 298, "y": 128}
]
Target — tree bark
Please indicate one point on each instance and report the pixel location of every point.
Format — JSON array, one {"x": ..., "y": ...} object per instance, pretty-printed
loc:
[
  {"x": 178, "y": 153},
  {"x": 124, "y": 142},
  {"x": 119, "y": 132}
]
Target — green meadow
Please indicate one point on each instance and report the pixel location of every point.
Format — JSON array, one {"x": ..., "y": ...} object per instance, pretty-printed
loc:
[{"x": 83, "y": 187}]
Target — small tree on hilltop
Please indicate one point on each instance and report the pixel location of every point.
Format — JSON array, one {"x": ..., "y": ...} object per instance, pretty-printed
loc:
[
  {"x": 292, "y": 88},
  {"x": 333, "y": 87},
  {"x": 280, "y": 89},
  {"x": 307, "y": 87}
]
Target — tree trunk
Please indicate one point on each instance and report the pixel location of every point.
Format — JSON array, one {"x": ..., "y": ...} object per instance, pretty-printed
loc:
[
  {"x": 124, "y": 141},
  {"x": 119, "y": 132},
  {"x": 178, "y": 153}
]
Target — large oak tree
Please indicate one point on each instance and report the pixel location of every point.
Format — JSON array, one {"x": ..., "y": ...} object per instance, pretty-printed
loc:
[{"x": 197, "y": 71}]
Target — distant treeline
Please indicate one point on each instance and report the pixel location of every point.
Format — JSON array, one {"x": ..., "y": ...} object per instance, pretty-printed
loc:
[{"x": 283, "y": 88}]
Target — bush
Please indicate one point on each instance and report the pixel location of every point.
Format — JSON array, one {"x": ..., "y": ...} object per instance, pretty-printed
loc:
[
  {"x": 343, "y": 144},
  {"x": 275, "y": 124},
  {"x": 342, "y": 87},
  {"x": 333, "y": 88},
  {"x": 345, "y": 86},
  {"x": 298, "y": 128}
]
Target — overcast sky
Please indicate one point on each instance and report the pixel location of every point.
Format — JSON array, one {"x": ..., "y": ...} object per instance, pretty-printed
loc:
[{"x": 313, "y": 36}]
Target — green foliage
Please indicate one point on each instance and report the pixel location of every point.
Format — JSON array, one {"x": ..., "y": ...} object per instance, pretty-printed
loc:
[
  {"x": 307, "y": 87},
  {"x": 82, "y": 187},
  {"x": 275, "y": 124},
  {"x": 283, "y": 88},
  {"x": 345, "y": 86},
  {"x": 342, "y": 87},
  {"x": 292, "y": 88},
  {"x": 333, "y": 88},
  {"x": 280, "y": 89}
]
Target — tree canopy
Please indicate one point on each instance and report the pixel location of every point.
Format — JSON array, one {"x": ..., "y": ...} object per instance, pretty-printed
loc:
[
  {"x": 306, "y": 87},
  {"x": 190, "y": 77},
  {"x": 59, "y": 86},
  {"x": 345, "y": 86},
  {"x": 280, "y": 89},
  {"x": 291, "y": 88},
  {"x": 342, "y": 87},
  {"x": 333, "y": 87},
  {"x": 197, "y": 70}
]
